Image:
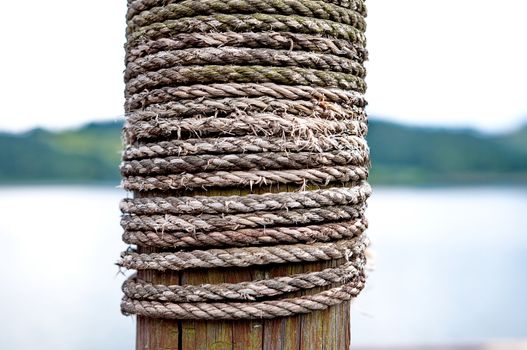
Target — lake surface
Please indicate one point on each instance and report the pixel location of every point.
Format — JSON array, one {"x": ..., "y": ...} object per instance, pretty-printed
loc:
[{"x": 451, "y": 267}]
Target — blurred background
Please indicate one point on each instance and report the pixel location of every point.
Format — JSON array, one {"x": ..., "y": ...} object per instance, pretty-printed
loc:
[{"x": 448, "y": 134}]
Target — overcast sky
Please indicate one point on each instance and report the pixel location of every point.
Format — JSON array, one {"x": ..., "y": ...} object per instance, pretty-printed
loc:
[{"x": 433, "y": 62}]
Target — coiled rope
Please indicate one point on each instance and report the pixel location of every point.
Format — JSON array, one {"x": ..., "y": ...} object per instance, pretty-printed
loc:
[{"x": 241, "y": 95}]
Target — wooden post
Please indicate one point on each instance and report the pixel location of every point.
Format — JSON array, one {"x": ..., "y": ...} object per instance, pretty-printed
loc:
[
  {"x": 328, "y": 329},
  {"x": 287, "y": 72}
]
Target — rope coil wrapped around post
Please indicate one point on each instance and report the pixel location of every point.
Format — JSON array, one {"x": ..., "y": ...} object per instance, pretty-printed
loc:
[{"x": 246, "y": 95}]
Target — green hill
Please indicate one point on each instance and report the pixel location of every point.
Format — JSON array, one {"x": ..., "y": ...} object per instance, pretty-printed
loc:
[
  {"x": 404, "y": 154},
  {"x": 90, "y": 153},
  {"x": 400, "y": 154}
]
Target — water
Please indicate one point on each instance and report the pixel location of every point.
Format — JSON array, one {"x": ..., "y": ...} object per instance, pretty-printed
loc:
[
  {"x": 450, "y": 267},
  {"x": 60, "y": 287}
]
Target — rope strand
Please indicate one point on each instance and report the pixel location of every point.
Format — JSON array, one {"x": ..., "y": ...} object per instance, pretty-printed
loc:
[
  {"x": 197, "y": 205},
  {"x": 248, "y": 237},
  {"x": 243, "y": 257},
  {"x": 272, "y": 40},
  {"x": 243, "y": 291}
]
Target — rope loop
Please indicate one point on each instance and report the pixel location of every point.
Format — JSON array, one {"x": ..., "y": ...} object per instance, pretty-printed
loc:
[{"x": 243, "y": 291}]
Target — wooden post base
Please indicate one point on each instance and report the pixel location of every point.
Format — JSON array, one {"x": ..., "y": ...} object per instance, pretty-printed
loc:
[{"x": 328, "y": 329}]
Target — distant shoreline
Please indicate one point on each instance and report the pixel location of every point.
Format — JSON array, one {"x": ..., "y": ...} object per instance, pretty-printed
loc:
[{"x": 116, "y": 184}]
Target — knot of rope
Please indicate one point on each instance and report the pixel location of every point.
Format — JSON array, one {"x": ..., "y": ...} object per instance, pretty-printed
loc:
[{"x": 241, "y": 96}]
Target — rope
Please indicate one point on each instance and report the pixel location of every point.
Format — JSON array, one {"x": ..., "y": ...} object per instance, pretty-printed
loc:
[
  {"x": 251, "y": 203},
  {"x": 241, "y": 123},
  {"x": 238, "y": 55},
  {"x": 208, "y": 107},
  {"x": 298, "y": 92},
  {"x": 189, "y": 8},
  {"x": 187, "y": 75},
  {"x": 243, "y": 257},
  {"x": 248, "y": 310},
  {"x": 243, "y": 95},
  {"x": 137, "y": 6},
  {"x": 249, "y": 178},
  {"x": 248, "y": 237},
  {"x": 253, "y": 290},
  {"x": 271, "y": 160},
  {"x": 208, "y": 223},
  {"x": 242, "y": 144},
  {"x": 269, "y": 40},
  {"x": 257, "y": 22}
]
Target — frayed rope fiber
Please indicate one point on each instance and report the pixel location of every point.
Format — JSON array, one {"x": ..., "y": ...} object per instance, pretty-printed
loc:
[{"x": 244, "y": 96}]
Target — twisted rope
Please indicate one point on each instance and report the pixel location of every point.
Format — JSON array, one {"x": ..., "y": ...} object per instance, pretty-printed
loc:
[
  {"x": 241, "y": 56},
  {"x": 248, "y": 237},
  {"x": 272, "y": 40},
  {"x": 251, "y": 203},
  {"x": 243, "y": 144},
  {"x": 298, "y": 92},
  {"x": 187, "y": 75},
  {"x": 241, "y": 123},
  {"x": 208, "y": 222},
  {"x": 243, "y": 257},
  {"x": 140, "y": 290},
  {"x": 256, "y": 22},
  {"x": 247, "y": 310},
  {"x": 276, "y": 160},
  {"x": 238, "y": 95},
  {"x": 221, "y": 107},
  {"x": 249, "y": 178},
  {"x": 190, "y": 8},
  {"x": 137, "y": 6}
]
